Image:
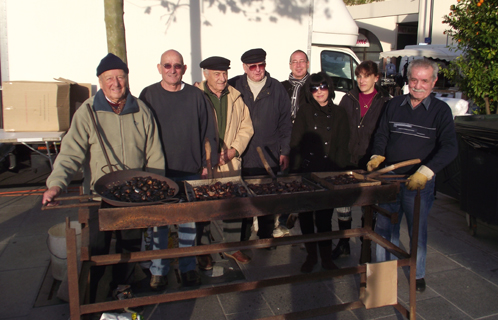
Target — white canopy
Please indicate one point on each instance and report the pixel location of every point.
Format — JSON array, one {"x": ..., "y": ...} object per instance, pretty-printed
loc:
[{"x": 435, "y": 51}]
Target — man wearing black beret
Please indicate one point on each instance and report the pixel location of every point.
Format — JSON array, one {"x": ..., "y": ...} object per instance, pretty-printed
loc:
[
  {"x": 270, "y": 106},
  {"x": 234, "y": 131},
  {"x": 128, "y": 128}
]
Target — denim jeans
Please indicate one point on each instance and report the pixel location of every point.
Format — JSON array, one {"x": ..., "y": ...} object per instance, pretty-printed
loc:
[
  {"x": 404, "y": 205},
  {"x": 186, "y": 238}
]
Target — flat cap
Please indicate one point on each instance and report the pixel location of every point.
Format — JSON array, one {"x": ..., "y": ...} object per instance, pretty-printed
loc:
[
  {"x": 253, "y": 56},
  {"x": 111, "y": 62},
  {"x": 215, "y": 63}
]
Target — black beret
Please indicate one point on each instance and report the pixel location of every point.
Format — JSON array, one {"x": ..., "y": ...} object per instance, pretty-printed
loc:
[
  {"x": 215, "y": 63},
  {"x": 111, "y": 62},
  {"x": 253, "y": 56}
]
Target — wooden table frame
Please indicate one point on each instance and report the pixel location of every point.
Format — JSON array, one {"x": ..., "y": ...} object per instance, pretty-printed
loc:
[{"x": 146, "y": 216}]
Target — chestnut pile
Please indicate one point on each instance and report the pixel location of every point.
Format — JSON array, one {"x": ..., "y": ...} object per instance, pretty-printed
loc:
[
  {"x": 140, "y": 189},
  {"x": 219, "y": 190},
  {"x": 280, "y": 187},
  {"x": 342, "y": 179}
]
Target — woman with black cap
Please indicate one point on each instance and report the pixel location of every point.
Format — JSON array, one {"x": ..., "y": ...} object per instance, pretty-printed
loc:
[{"x": 319, "y": 142}]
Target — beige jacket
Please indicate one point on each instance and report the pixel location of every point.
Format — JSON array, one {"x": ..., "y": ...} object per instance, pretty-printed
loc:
[{"x": 238, "y": 132}]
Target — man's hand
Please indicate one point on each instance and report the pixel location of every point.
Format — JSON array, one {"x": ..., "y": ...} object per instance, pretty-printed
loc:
[
  {"x": 226, "y": 156},
  {"x": 416, "y": 181},
  {"x": 204, "y": 173},
  {"x": 284, "y": 162},
  {"x": 50, "y": 195},
  {"x": 375, "y": 162}
]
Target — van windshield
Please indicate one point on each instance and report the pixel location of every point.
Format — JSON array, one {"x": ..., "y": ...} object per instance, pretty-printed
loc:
[{"x": 340, "y": 67}]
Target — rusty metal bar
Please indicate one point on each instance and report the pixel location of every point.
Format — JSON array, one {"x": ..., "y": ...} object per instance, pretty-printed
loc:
[
  {"x": 72, "y": 271},
  {"x": 389, "y": 246},
  {"x": 391, "y": 215},
  {"x": 203, "y": 292},
  {"x": 221, "y": 247},
  {"x": 236, "y": 208},
  {"x": 413, "y": 257}
]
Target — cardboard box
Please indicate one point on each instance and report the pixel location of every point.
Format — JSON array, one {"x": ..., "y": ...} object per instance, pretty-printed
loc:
[{"x": 41, "y": 106}]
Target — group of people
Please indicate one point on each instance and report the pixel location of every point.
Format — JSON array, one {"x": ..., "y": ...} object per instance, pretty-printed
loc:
[{"x": 295, "y": 122}]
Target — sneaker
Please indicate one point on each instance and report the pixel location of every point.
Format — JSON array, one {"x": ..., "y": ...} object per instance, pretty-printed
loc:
[
  {"x": 191, "y": 279},
  {"x": 238, "y": 256},
  {"x": 205, "y": 262},
  {"x": 158, "y": 283},
  {"x": 280, "y": 231},
  {"x": 123, "y": 292}
]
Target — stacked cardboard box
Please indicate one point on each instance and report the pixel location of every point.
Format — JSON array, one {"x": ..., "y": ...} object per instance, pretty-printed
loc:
[{"x": 41, "y": 106}]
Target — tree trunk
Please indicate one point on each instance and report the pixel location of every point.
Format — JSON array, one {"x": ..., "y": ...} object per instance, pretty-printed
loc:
[
  {"x": 486, "y": 101},
  {"x": 114, "y": 24}
]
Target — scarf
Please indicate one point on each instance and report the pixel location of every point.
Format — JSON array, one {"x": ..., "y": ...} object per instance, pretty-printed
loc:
[{"x": 296, "y": 84}]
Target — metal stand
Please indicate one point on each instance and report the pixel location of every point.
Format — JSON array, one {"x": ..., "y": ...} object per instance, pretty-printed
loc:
[{"x": 145, "y": 216}]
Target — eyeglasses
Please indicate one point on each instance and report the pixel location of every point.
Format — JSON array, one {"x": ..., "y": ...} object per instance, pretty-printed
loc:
[
  {"x": 255, "y": 66},
  {"x": 323, "y": 87},
  {"x": 168, "y": 66}
]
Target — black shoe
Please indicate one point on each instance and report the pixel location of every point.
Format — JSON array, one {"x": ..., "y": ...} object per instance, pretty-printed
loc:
[
  {"x": 191, "y": 279},
  {"x": 342, "y": 249},
  {"x": 420, "y": 285}
]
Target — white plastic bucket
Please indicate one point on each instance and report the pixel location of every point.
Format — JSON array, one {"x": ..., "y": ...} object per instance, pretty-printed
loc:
[{"x": 56, "y": 243}]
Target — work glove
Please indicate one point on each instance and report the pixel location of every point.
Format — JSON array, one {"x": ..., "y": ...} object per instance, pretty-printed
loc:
[
  {"x": 419, "y": 178},
  {"x": 374, "y": 162}
]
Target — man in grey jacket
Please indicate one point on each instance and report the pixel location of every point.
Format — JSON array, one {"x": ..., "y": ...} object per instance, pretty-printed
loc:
[{"x": 131, "y": 140}]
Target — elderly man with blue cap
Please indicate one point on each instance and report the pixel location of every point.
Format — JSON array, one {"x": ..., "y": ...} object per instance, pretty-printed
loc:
[
  {"x": 132, "y": 141},
  {"x": 234, "y": 132}
]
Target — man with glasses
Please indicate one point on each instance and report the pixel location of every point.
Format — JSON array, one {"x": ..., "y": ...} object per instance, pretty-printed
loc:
[
  {"x": 269, "y": 105},
  {"x": 185, "y": 121},
  {"x": 299, "y": 65}
]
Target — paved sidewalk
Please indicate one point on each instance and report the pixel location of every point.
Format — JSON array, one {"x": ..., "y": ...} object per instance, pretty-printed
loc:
[{"x": 462, "y": 273}]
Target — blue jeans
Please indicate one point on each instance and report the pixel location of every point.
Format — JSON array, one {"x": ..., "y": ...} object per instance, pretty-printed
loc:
[
  {"x": 404, "y": 205},
  {"x": 186, "y": 238}
]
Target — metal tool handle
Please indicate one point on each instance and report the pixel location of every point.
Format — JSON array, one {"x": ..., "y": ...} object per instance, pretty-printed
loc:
[
  {"x": 265, "y": 163},
  {"x": 207, "y": 146},
  {"x": 392, "y": 167},
  {"x": 99, "y": 137}
]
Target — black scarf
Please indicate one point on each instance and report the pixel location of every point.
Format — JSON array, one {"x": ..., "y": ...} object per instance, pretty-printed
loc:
[{"x": 296, "y": 84}]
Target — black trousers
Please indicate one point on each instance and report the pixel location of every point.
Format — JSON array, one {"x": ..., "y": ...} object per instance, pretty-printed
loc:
[
  {"x": 100, "y": 243},
  {"x": 322, "y": 220}
]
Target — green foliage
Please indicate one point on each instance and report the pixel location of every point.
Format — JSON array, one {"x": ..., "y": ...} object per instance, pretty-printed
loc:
[{"x": 474, "y": 27}]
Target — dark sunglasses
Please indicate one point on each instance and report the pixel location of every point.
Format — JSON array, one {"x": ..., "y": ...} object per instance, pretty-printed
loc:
[
  {"x": 254, "y": 66},
  {"x": 168, "y": 66},
  {"x": 323, "y": 87}
]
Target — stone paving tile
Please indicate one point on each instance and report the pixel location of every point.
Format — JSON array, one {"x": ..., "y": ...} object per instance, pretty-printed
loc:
[
  {"x": 39, "y": 222},
  {"x": 10, "y": 223},
  {"x": 439, "y": 308},
  {"x": 250, "y": 314},
  {"x": 194, "y": 309},
  {"x": 243, "y": 302},
  {"x": 25, "y": 252},
  {"x": 467, "y": 290},
  {"x": 19, "y": 291},
  {"x": 57, "y": 312},
  {"x": 483, "y": 264}
]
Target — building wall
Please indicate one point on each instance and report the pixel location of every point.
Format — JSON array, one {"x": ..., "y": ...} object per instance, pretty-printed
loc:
[{"x": 381, "y": 18}]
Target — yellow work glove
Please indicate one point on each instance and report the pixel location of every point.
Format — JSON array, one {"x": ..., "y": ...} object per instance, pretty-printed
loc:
[
  {"x": 374, "y": 162},
  {"x": 416, "y": 181}
]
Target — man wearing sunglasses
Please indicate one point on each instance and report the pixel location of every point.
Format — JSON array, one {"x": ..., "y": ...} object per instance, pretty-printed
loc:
[
  {"x": 185, "y": 121},
  {"x": 269, "y": 105},
  {"x": 234, "y": 132}
]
